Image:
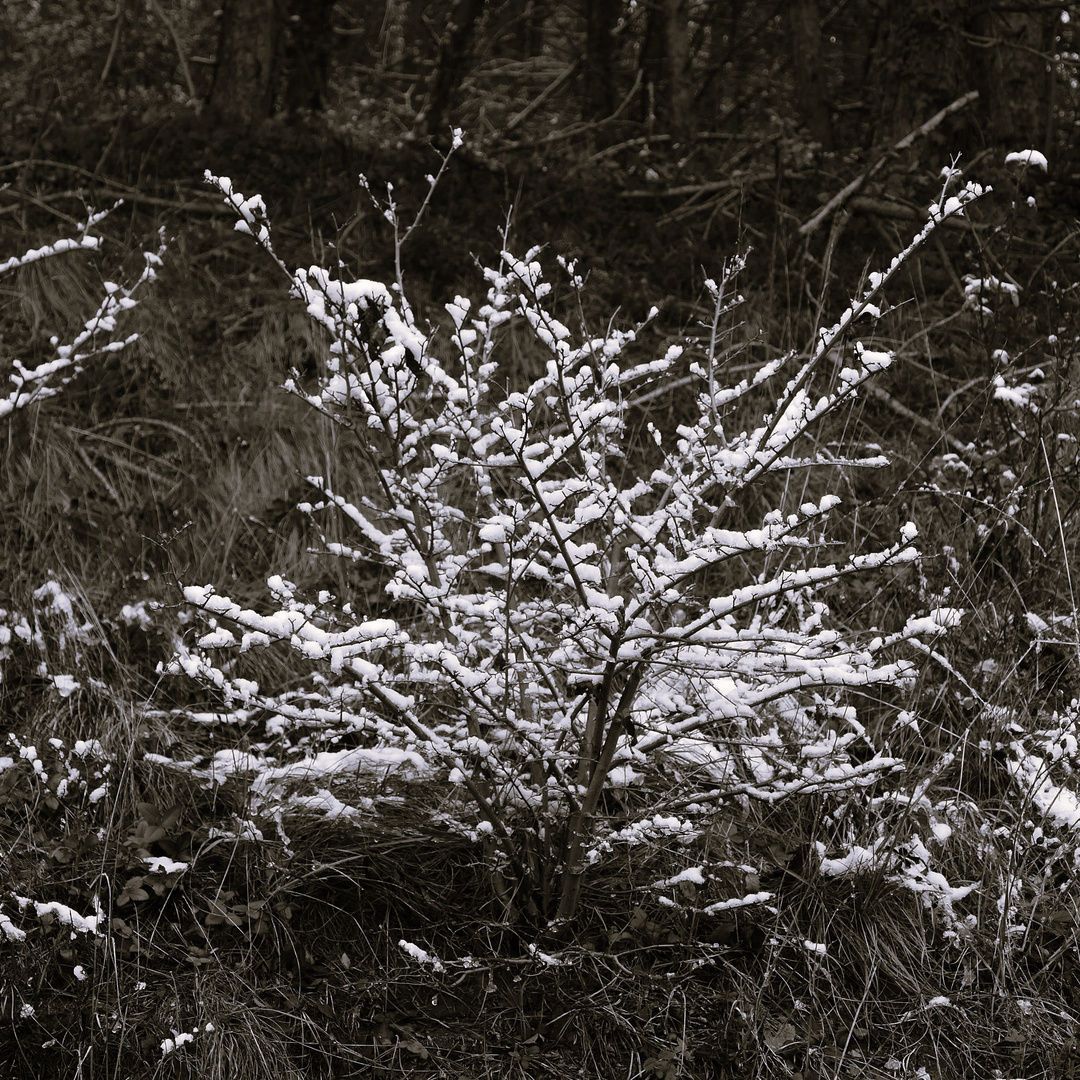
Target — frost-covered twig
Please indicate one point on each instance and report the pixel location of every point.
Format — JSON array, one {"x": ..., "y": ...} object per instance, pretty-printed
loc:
[
  {"x": 95, "y": 339},
  {"x": 569, "y": 613}
]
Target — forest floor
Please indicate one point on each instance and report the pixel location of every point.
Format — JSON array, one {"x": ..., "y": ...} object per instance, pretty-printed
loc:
[{"x": 143, "y": 933}]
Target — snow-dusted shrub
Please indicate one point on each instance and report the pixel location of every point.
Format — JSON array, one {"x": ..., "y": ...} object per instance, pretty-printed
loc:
[
  {"x": 98, "y": 335},
  {"x": 574, "y": 627}
]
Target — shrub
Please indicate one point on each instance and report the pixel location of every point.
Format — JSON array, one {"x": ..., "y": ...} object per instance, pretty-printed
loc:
[
  {"x": 97, "y": 337},
  {"x": 598, "y": 636}
]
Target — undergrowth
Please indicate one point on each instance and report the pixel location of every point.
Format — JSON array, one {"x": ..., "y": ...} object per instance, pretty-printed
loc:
[{"x": 582, "y": 730}]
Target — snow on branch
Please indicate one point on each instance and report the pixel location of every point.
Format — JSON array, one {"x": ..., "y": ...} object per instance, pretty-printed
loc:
[
  {"x": 569, "y": 617},
  {"x": 98, "y": 335}
]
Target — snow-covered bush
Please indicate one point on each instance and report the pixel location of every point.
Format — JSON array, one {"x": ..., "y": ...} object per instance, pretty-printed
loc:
[
  {"x": 577, "y": 624},
  {"x": 98, "y": 335}
]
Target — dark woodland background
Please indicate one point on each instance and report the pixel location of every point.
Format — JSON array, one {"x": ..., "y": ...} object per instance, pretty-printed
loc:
[
  {"x": 651, "y": 141},
  {"x": 648, "y": 140},
  {"x": 648, "y": 137}
]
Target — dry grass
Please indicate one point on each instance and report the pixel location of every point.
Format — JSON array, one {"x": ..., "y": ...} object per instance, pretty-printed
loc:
[{"x": 288, "y": 947}]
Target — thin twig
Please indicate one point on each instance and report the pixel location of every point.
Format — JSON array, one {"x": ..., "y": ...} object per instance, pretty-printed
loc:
[
  {"x": 841, "y": 197},
  {"x": 700, "y": 189},
  {"x": 179, "y": 49},
  {"x": 544, "y": 94},
  {"x": 891, "y": 208},
  {"x": 42, "y": 201},
  {"x": 902, "y": 410},
  {"x": 119, "y": 17},
  {"x": 578, "y": 129}
]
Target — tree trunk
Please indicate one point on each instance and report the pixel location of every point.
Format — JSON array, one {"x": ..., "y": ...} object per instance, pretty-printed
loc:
[
  {"x": 651, "y": 62},
  {"x": 919, "y": 66},
  {"x": 248, "y": 63},
  {"x": 450, "y": 67},
  {"x": 599, "y": 77},
  {"x": 724, "y": 26},
  {"x": 1050, "y": 88},
  {"x": 1009, "y": 70},
  {"x": 681, "y": 93},
  {"x": 665, "y": 68},
  {"x": 418, "y": 49},
  {"x": 929, "y": 52},
  {"x": 528, "y": 33},
  {"x": 811, "y": 92},
  {"x": 307, "y": 54}
]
